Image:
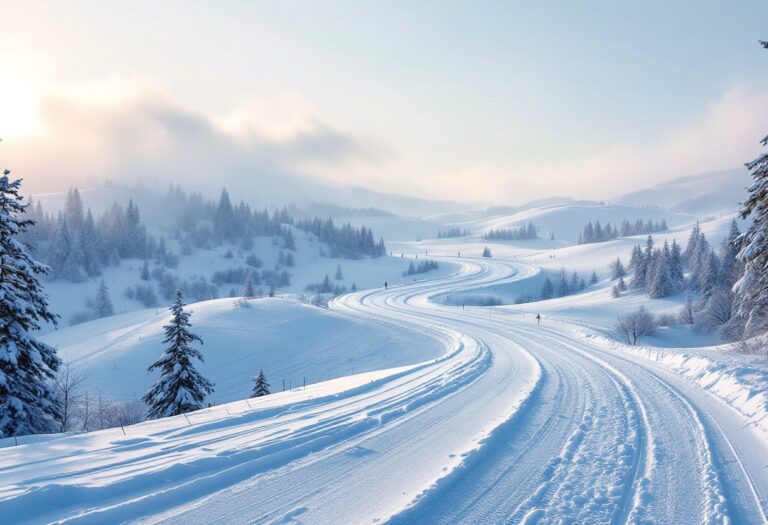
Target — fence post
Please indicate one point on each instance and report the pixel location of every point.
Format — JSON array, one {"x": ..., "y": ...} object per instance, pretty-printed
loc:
[
  {"x": 188, "y": 421},
  {"x": 121, "y": 428}
]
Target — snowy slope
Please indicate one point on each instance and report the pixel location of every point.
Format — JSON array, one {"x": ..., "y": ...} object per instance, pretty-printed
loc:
[
  {"x": 567, "y": 221},
  {"x": 515, "y": 422},
  {"x": 67, "y": 299},
  {"x": 291, "y": 341}
]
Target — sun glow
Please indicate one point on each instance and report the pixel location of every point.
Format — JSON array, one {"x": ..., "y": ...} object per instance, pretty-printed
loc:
[{"x": 19, "y": 108}]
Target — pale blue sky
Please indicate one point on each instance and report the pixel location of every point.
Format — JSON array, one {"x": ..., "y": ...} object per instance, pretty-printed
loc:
[{"x": 472, "y": 100}]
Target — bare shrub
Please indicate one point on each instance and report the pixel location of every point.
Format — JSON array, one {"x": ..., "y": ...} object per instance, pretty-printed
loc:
[{"x": 634, "y": 325}]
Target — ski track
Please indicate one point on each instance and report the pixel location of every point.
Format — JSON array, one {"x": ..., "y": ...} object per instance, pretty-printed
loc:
[{"x": 516, "y": 423}]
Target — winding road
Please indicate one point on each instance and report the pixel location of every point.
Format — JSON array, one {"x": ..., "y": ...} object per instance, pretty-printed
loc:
[{"x": 517, "y": 423}]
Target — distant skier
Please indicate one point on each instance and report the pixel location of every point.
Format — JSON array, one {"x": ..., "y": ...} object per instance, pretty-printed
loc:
[
  {"x": 386, "y": 285},
  {"x": 538, "y": 318}
]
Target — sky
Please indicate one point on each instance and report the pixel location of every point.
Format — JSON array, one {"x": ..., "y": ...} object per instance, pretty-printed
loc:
[{"x": 487, "y": 102}]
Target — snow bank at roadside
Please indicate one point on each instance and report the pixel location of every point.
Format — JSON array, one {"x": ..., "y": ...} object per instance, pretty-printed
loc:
[{"x": 739, "y": 380}]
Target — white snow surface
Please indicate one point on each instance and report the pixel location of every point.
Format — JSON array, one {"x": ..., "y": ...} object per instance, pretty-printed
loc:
[{"x": 485, "y": 416}]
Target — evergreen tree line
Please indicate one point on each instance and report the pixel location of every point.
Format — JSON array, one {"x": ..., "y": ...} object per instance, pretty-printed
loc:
[
  {"x": 76, "y": 245},
  {"x": 452, "y": 232},
  {"x": 512, "y": 234},
  {"x": 345, "y": 241},
  {"x": 706, "y": 275},
  {"x": 420, "y": 267},
  {"x": 597, "y": 233},
  {"x": 563, "y": 284}
]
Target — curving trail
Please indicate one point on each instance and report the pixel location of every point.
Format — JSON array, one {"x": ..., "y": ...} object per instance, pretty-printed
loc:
[{"x": 517, "y": 423}]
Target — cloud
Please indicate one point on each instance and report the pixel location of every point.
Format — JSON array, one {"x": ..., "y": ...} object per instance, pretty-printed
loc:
[
  {"x": 724, "y": 136},
  {"x": 134, "y": 133}
]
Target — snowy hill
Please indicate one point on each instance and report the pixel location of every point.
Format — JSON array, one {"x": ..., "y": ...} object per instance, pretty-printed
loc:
[
  {"x": 291, "y": 341},
  {"x": 709, "y": 193},
  {"x": 567, "y": 221}
]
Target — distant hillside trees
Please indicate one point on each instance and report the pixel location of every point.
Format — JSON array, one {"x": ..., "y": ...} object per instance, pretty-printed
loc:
[
  {"x": 564, "y": 284},
  {"x": 452, "y": 232},
  {"x": 700, "y": 271},
  {"x": 344, "y": 241},
  {"x": 512, "y": 234},
  {"x": 596, "y": 233},
  {"x": 420, "y": 267}
]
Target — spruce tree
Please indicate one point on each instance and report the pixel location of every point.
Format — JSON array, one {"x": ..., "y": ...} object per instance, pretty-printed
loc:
[
  {"x": 180, "y": 388},
  {"x": 617, "y": 269},
  {"x": 103, "y": 304},
  {"x": 27, "y": 366},
  {"x": 487, "y": 252},
  {"x": 260, "y": 387},
  {"x": 548, "y": 289},
  {"x": 339, "y": 275},
  {"x": 249, "y": 291},
  {"x": 144, "y": 275}
]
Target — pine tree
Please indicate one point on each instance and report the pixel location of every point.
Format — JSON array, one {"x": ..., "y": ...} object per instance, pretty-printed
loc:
[
  {"x": 622, "y": 286},
  {"x": 486, "y": 252},
  {"x": 339, "y": 275},
  {"x": 660, "y": 282},
  {"x": 144, "y": 275},
  {"x": 180, "y": 388},
  {"x": 593, "y": 278},
  {"x": 248, "y": 291},
  {"x": 103, "y": 305},
  {"x": 260, "y": 387},
  {"x": 27, "y": 366},
  {"x": 676, "y": 265},
  {"x": 617, "y": 269},
  {"x": 548, "y": 289},
  {"x": 562, "y": 288},
  {"x": 693, "y": 241},
  {"x": 731, "y": 267}
]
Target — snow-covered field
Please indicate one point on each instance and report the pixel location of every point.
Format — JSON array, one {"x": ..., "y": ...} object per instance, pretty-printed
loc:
[{"x": 433, "y": 412}]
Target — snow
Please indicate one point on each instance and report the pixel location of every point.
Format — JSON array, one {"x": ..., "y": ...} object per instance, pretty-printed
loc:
[
  {"x": 418, "y": 410},
  {"x": 291, "y": 341}
]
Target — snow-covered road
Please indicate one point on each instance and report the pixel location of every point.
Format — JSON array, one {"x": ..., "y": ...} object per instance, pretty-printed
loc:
[{"x": 516, "y": 423}]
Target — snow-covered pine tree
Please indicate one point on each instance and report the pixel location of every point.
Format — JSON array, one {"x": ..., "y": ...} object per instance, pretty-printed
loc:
[
  {"x": 593, "y": 278},
  {"x": 144, "y": 275},
  {"x": 676, "y": 265},
  {"x": 562, "y": 288},
  {"x": 339, "y": 275},
  {"x": 548, "y": 289},
  {"x": 573, "y": 284},
  {"x": 248, "y": 290},
  {"x": 180, "y": 388},
  {"x": 260, "y": 386},
  {"x": 487, "y": 252},
  {"x": 103, "y": 304},
  {"x": 693, "y": 241},
  {"x": 731, "y": 268},
  {"x": 617, "y": 269},
  {"x": 660, "y": 282},
  {"x": 621, "y": 284},
  {"x": 27, "y": 366}
]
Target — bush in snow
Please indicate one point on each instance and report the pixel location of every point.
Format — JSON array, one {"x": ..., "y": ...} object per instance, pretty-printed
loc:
[{"x": 634, "y": 325}]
